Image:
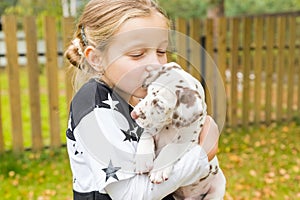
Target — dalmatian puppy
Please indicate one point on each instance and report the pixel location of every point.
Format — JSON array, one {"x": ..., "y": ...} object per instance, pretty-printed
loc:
[{"x": 172, "y": 115}]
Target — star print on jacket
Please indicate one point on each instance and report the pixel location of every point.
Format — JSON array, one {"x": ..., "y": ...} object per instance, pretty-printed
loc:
[
  {"x": 101, "y": 133},
  {"x": 111, "y": 102},
  {"x": 111, "y": 171},
  {"x": 133, "y": 134}
]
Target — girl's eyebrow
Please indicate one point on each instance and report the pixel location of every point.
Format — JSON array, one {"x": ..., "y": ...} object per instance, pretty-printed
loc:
[
  {"x": 164, "y": 42},
  {"x": 142, "y": 44}
]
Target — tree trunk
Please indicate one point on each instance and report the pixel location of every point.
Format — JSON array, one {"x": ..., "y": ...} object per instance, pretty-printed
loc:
[
  {"x": 73, "y": 7},
  {"x": 65, "y": 8},
  {"x": 216, "y": 9}
]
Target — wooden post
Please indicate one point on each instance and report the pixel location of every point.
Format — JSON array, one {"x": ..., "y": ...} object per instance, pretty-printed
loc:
[
  {"x": 181, "y": 45},
  {"x": 10, "y": 31},
  {"x": 33, "y": 77},
  {"x": 209, "y": 67},
  {"x": 195, "y": 48},
  {"x": 221, "y": 108},
  {"x": 246, "y": 69},
  {"x": 269, "y": 67},
  {"x": 68, "y": 31},
  {"x": 52, "y": 79},
  {"x": 258, "y": 61},
  {"x": 281, "y": 65},
  {"x": 2, "y": 149},
  {"x": 234, "y": 68},
  {"x": 222, "y": 24},
  {"x": 291, "y": 68}
]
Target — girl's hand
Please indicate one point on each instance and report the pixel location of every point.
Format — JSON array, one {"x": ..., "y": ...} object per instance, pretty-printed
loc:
[{"x": 209, "y": 137}]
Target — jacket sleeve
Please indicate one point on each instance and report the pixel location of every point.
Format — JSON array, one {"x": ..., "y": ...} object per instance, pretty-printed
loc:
[
  {"x": 191, "y": 167},
  {"x": 108, "y": 154}
]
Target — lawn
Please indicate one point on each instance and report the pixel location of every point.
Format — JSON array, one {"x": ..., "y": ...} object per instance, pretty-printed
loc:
[{"x": 259, "y": 163}]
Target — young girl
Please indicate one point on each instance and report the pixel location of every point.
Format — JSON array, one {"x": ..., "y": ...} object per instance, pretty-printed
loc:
[{"x": 114, "y": 43}]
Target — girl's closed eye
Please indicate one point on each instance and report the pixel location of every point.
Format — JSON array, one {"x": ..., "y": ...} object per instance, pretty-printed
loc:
[
  {"x": 161, "y": 52},
  {"x": 136, "y": 54}
]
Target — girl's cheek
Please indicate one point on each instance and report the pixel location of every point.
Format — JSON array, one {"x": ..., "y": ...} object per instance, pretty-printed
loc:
[{"x": 164, "y": 60}]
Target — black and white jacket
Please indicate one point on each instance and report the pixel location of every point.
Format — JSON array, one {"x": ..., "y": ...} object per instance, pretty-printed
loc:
[{"x": 101, "y": 143}]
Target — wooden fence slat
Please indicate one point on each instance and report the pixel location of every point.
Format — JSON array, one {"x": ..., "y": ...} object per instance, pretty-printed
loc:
[
  {"x": 297, "y": 64},
  {"x": 298, "y": 99},
  {"x": 258, "y": 62},
  {"x": 291, "y": 66},
  {"x": 234, "y": 67},
  {"x": 222, "y": 46},
  {"x": 195, "y": 48},
  {"x": 34, "y": 86},
  {"x": 1, "y": 127},
  {"x": 246, "y": 69},
  {"x": 181, "y": 45},
  {"x": 269, "y": 68},
  {"x": 280, "y": 68},
  {"x": 68, "y": 30},
  {"x": 52, "y": 79},
  {"x": 222, "y": 65},
  {"x": 10, "y": 31},
  {"x": 209, "y": 68}
]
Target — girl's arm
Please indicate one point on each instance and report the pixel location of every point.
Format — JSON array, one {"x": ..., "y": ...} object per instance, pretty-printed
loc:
[
  {"x": 191, "y": 167},
  {"x": 209, "y": 137}
]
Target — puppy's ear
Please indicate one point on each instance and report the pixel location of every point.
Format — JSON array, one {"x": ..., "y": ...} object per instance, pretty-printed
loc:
[
  {"x": 189, "y": 107},
  {"x": 153, "y": 72}
]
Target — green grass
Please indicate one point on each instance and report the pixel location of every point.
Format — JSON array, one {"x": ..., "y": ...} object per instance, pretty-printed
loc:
[
  {"x": 262, "y": 162},
  {"x": 44, "y": 175},
  {"x": 259, "y": 163}
]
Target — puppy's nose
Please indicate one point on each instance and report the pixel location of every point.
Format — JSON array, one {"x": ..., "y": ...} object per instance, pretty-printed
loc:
[{"x": 134, "y": 115}]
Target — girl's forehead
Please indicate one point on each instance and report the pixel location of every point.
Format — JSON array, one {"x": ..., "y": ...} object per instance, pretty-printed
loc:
[
  {"x": 154, "y": 20},
  {"x": 140, "y": 38}
]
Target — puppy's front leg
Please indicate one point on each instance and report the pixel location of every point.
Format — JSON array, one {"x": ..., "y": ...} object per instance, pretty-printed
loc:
[
  {"x": 163, "y": 163},
  {"x": 145, "y": 154}
]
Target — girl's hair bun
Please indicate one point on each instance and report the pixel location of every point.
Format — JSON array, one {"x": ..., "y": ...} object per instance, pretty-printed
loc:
[{"x": 74, "y": 53}]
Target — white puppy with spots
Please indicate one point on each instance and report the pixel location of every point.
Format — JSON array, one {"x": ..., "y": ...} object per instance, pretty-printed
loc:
[{"x": 172, "y": 115}]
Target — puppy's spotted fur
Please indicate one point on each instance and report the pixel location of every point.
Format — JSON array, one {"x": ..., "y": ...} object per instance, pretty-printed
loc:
[{"x": 172, "y": 115}]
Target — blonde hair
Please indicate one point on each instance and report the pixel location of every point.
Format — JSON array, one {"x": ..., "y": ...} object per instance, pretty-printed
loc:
[{"x": 97, "y": 24}]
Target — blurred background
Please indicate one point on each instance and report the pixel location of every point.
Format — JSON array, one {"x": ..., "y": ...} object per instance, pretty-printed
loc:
[{"x": 254, "y": 45}]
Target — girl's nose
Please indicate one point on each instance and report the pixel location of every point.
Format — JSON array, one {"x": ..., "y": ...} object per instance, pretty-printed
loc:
[{"x": 154, "y": 59}]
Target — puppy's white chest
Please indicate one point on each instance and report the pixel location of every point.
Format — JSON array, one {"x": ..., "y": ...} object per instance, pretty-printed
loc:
[{"x": 169, "y": 134}]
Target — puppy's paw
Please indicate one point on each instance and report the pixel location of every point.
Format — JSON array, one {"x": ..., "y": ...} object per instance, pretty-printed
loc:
[
  {"x": 144, "y": 154},
  {"x": 159, "y": 176},
  {"x": 143, "y": 163}
]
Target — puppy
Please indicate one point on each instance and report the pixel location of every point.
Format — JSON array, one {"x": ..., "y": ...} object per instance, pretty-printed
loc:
[{"x": 172, "y": 115}]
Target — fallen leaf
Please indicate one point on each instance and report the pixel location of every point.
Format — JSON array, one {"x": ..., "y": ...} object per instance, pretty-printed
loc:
[
  {"x": 285, "y": 129},
  {"x": 282, "y": 171},
  {"x": 252, "y": 173},
  {"x": 234, "y": 158},
  {"x": 296, "y": 168},
  {"x": 11, "y": 173}
]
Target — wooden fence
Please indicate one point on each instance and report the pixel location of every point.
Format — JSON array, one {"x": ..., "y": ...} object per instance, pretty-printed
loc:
[{"x": 257, "y": 59}]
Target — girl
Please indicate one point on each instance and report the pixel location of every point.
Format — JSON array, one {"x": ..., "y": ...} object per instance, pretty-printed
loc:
[{"x": 114, "y": 43}]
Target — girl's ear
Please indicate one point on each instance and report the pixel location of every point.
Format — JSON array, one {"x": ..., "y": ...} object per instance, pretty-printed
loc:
[{"x": 94, "y": 58}]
